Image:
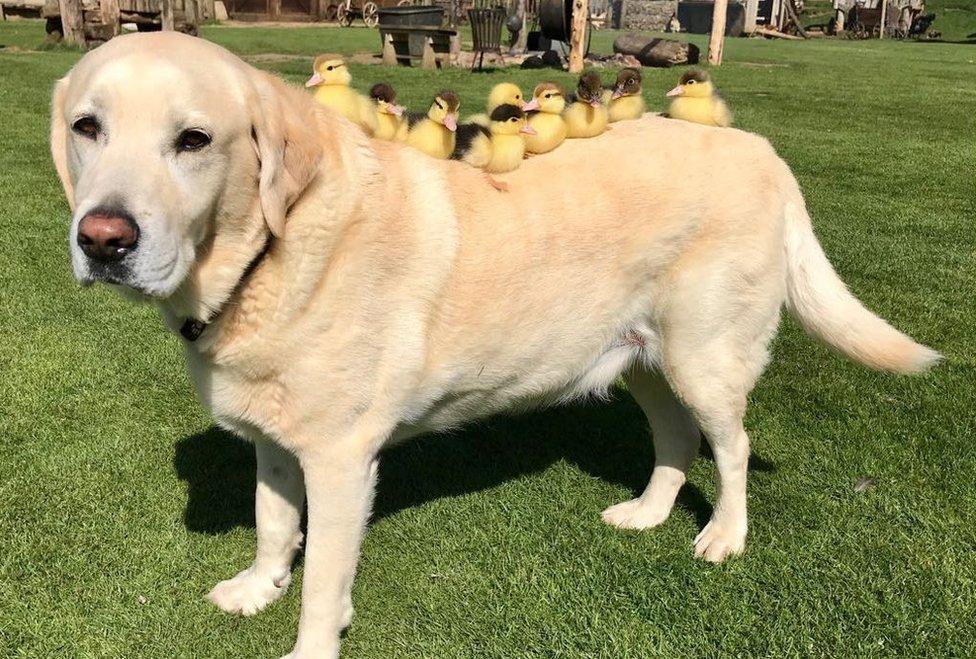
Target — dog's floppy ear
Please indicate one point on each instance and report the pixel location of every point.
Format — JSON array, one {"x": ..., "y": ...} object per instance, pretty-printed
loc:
[
  {"x": 286, "y": 136},
  {"x": 59, "y": 140}
]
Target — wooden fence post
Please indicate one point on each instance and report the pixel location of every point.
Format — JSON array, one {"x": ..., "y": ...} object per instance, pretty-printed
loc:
[
  {"x": 577, "y": 38},
  {"x": 72, "y": 22},
  {"x": 716, "y": 42},
  {"x": 110, "y": 16},
  {"x": 166, "y": 20},
  {"x": 274, "y": 9}
]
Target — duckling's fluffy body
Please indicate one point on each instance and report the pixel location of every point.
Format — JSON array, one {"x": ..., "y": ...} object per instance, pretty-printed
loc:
[
  {"x": 547, "y": 121},
  {"x": 331, "y": 80},
  {"x": 498, "y": 148},
  {"x": 695, "y": 99},
  {"x": 434, "y": 134},
  {"x": 588, "y": 116},
  {"x": 391, "y": 124}
]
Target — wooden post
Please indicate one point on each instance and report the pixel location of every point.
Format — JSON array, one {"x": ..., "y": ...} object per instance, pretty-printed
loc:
[
  {"x": 389, "y": 53},
  {"x": 72, "y": 22},
  {"x": 429, "y": 60},
  {"x": 577, "y": 39},
  {"x": 523, "y": 36},
  {"x": 716, "y": 42},
  {"x": 884, "y": 11},
  {"x": 166, "y": 20},
  {"x": 110, "y": 16},
  {"x": 454, "y": 42},
  {"x": 622, "y": 16},
  {"x": 274, "y": 9}
]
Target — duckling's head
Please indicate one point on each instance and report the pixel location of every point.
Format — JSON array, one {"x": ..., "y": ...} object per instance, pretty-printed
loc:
[
  {"x": 385, "y": 98},
  {"x": 590, "y": 89},
  {"x": 329, "y": 70},
  {"x": 508, "y": 119},
  {"x": 695, "y": 84},
  {"x": 444, "y": 109},
  {"x": 547, "y": 97},
  {"x": 628, "y": 83},
  {"x": 505, "y": 93}
]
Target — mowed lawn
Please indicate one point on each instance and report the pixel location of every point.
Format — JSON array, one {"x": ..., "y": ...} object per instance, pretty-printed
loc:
[{"x": 120, "y": 505}]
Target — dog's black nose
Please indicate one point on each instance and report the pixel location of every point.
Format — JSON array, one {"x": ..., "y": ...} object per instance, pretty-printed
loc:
[{"x": 107, "y": 236}]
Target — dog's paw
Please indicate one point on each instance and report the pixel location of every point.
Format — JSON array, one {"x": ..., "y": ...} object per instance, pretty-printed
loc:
[
  {"x": 716, "y": 542},
  {"x": 248, "y": 592},
  {"x": 636, "y": 514}
]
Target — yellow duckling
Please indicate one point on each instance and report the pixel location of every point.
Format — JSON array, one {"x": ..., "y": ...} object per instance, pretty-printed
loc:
[
  {"x": 588, "y": 116},
  {"x": 331, "y": 78},
  {"x": 390, "y": 122},
  {"x": 504, "y": 93},
  {"x": 696, "y": 99},
  {"x": 546, "y": 118},
  {"x": 434, "y": 134},
  {"x": 626, "y": 100},
  {"x": 498, "y": 148}
]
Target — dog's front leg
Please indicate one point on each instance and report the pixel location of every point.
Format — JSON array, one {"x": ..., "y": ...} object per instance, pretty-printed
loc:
[
  {"x": 278, "y": 501},
  {"x": 340, "y": 478}
]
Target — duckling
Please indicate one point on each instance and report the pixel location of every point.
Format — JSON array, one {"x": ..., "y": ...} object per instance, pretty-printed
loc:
[
  {"x": 588, "y": 116},
  {"x": 504, "y": 93},
  {"x": 696, "y": 99},
  {"x": 546, "y": 118},
  {"x": 331, "y": 78},
  {"x": 498, "y": 148},
  {"x": 390, "y": 122},
  {"x": 434, "y": 134},
  {"x": 626, "y": 101}
]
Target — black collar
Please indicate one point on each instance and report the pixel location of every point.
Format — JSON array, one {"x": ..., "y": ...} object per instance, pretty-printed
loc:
[{"x": 192, "y": 328}]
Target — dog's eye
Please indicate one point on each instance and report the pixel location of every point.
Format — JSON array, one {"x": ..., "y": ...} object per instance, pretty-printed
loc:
[
  {"x": 193, "y": 139},
  {"x": 87, "y": 127}
]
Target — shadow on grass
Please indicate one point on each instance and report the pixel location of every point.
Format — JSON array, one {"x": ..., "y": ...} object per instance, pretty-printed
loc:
[{"x": 607, "y": 440}]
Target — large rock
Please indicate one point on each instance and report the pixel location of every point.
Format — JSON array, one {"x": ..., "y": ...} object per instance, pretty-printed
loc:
[{"x": 652, "y": 51}]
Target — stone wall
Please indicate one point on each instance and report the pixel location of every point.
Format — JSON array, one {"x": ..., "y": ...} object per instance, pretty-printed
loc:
[{"x": 648, "y": 14}]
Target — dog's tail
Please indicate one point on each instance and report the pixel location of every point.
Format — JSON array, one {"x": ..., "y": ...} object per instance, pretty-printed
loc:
[{"x": 820, "y": 301}]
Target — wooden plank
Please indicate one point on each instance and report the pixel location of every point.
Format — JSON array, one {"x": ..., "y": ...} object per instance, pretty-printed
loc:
[
  {"x": 274, "y": 9},
  {"x": 72, "y": 22},
  {"x": 110, "y": 16},
  {"x": 577, "y": 39},
  {"x": 716, "y": 41},
  {"x": 166, "y": 18}
]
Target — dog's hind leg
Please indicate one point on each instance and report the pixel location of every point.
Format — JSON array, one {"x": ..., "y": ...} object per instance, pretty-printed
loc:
[
  {"x": 278, "y": 501},
  {"x": 676, "y": 441}
]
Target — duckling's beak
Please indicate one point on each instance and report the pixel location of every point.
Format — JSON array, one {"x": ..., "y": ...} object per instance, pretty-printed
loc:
[
  {"x": 677, "y": 91},
  {"x": 395, "y": 110},
  {"x": 531, "y": 105},
  {"x": 450, "y": 122},
  {"x": 528, "y": 130},
  {"x": 617, "y": 93},
  {"x": 314, "y": 81},
  {"x": 596, "y": 103}
]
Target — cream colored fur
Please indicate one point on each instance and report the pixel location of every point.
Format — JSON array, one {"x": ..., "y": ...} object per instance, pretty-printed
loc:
[{"x": 404, "y": 294}]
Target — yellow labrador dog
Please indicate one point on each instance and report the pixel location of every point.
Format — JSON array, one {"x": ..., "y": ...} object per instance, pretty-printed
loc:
[{"x": 336, "y": 294}]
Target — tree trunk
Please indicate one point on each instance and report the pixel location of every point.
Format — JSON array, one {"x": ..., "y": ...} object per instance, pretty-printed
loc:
[
  {"x": 522, "y": 42},
  {"x": 72, "y": 22},
  {"x": 577, "y": 40},
  {"x": 716, "y": 42}
]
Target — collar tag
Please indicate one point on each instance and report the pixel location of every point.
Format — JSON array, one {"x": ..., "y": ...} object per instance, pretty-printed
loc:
[{"x": 192, "y": 329}]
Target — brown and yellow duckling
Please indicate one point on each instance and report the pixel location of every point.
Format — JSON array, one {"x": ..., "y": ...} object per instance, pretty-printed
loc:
[
  {"x": 391, "y": 124},
  {"x": 588, "y": 116},
  {"x": 545, "y": 112},
  {"x": 434, "y": 133},
  {"x": 626, "y": 100},
  {"x": 696, "y": 99}
]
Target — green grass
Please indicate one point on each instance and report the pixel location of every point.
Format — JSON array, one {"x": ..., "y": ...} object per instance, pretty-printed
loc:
[{"x": 120, "y": 505}]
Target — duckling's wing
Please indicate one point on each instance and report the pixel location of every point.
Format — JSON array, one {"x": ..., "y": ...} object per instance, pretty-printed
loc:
[
  {"x": 466, "y": 135},
  {"x": 414, "y": 118},
  {"x": 721, "y": 113}
]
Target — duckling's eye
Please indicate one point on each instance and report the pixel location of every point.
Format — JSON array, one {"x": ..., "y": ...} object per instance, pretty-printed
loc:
[
  {"x": 548, "y": 96},
  {"x": 691, "y": 82},
  {"x": 192, "y": 139},
  {"x": 329, "y": 68},
  {"x": 87, "y": 127}
]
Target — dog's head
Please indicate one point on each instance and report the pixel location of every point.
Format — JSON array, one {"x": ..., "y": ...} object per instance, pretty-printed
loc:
[{"x": 164, "y": 141}]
